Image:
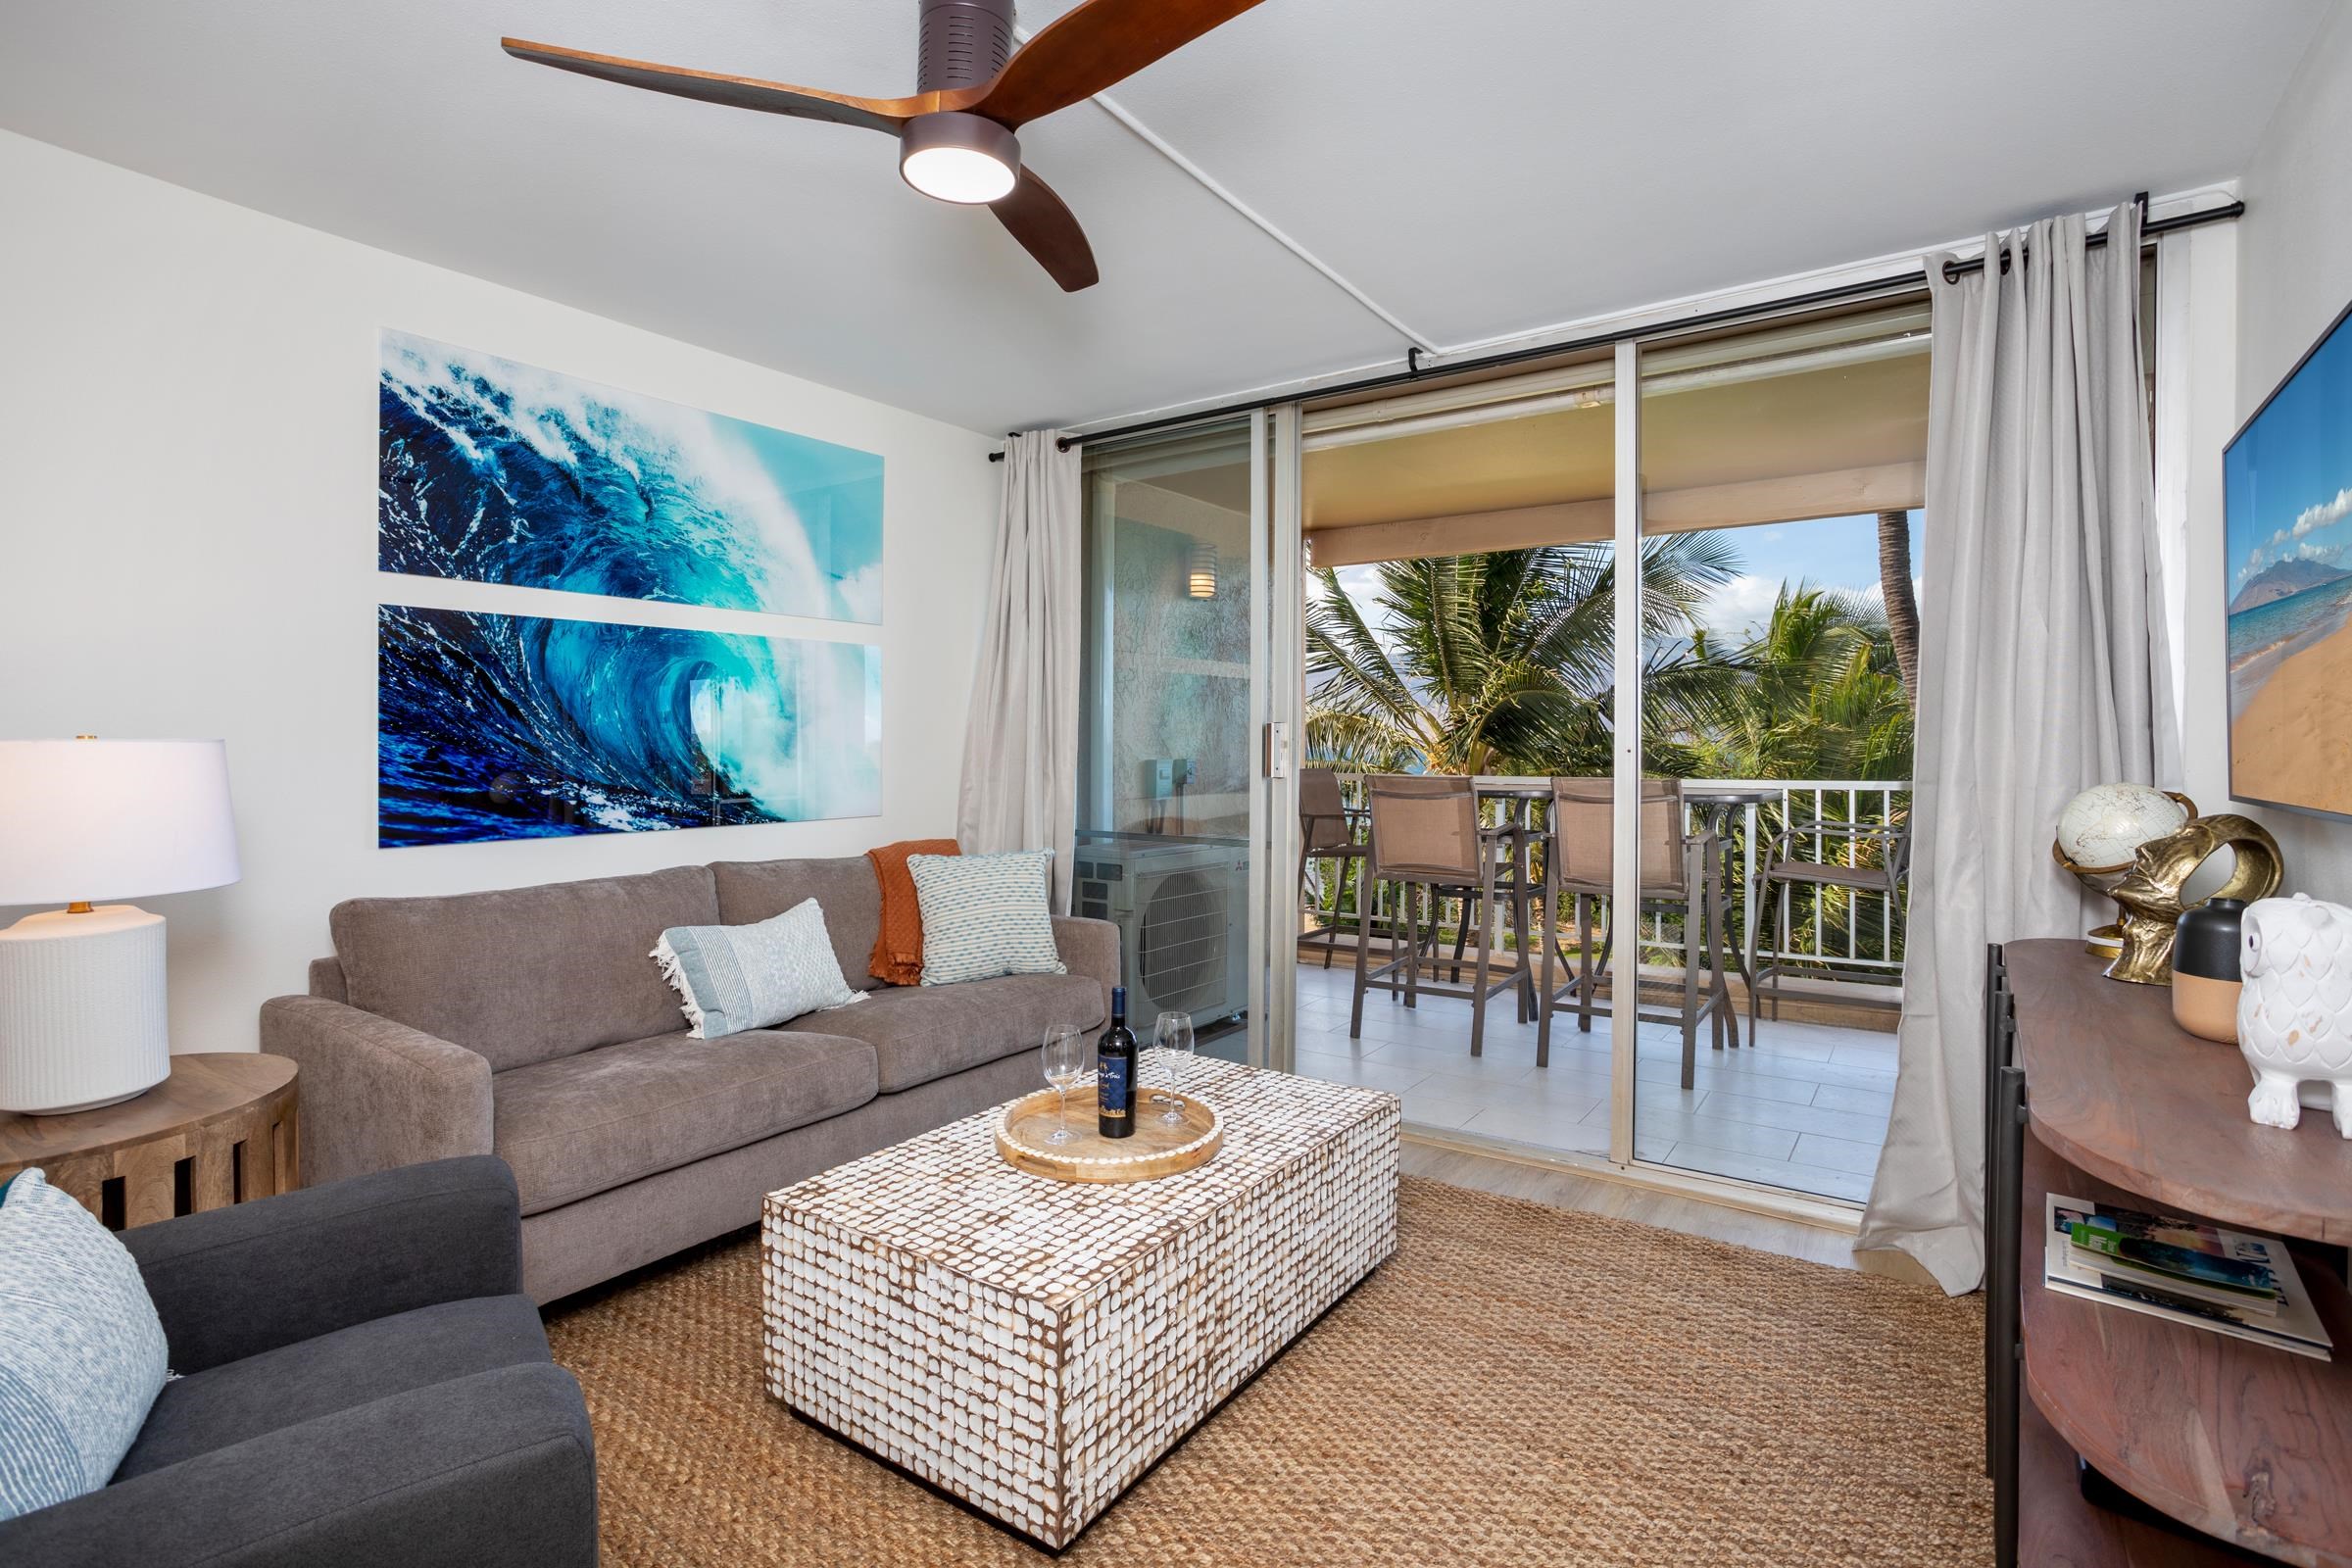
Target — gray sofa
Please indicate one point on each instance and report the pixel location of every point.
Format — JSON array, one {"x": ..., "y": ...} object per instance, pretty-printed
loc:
[
  {"x": 359, "y": 1384},
  {"x": 531, "y": 1023}
]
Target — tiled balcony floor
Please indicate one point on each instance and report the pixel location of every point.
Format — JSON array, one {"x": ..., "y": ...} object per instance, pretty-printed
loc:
[{"x": 1804, "y": 1106}]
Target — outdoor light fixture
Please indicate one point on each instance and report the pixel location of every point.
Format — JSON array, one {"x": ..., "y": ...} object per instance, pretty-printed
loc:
[
  {"x": 1200, "y": 577},
  {"x": 968, "y": 158}
]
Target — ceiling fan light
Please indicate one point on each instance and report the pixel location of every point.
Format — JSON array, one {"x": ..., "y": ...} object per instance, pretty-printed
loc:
[{"x": 968, "y": 158}]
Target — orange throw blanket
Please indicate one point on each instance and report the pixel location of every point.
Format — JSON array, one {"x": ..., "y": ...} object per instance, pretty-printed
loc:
[{"x": 899, "y": 948}]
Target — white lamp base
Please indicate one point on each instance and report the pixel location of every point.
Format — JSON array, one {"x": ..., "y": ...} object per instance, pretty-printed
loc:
[{"x": 82, "y": 1020}]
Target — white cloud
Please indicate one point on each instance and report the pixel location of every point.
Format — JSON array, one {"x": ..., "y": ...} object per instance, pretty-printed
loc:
[
  {"x": 2314, "y": 518},
  {"x": 1738, "y": 608},
  {"x": 1362, "y": 584}
]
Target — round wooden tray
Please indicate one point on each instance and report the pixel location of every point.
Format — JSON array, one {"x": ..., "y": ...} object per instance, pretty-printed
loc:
[{"x": 1157, "y": 1149}]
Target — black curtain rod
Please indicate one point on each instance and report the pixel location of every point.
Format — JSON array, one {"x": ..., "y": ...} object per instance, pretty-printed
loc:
[
  {"x": 1414, "y": 371},
  {"x": 2149, "y": 228}
]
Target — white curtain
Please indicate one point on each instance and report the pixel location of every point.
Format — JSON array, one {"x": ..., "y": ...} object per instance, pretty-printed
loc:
[
  {"x": 1020, "y": 746},
  {"x": 2043, "y": 671}
]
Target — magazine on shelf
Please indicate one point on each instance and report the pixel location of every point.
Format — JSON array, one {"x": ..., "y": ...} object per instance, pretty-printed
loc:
[
  {"x": 2294, "y": 1327},
  {"x": 2182, "y": 1257}
]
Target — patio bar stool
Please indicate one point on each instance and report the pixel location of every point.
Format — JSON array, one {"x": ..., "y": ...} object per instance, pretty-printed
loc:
[
  {"x": 1426, "y": 836},
  {"x": 1327, "y": 832},
  {"x": 1787, "y": 867},
  {"x": 1680, "y": 873}
]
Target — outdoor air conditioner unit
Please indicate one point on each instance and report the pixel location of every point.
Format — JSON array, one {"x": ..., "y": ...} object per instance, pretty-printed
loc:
[{"x": 1181, "y": 908}]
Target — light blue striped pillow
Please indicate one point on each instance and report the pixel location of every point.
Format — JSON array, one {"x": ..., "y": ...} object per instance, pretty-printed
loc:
[
  {"x": 81, "y": 1351},
  {"x": 730, "y": 978},
  {"x": 985, "y": 916}
]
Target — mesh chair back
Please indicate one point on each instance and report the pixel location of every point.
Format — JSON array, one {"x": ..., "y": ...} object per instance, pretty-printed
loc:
[
  {"x": 1322, "y": 814},
  {"x": 1424, "y": 827},
  {"x": 1584, "y": 822}
]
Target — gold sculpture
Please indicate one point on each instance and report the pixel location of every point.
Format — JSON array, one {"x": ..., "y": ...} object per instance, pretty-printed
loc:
[
  {"x": 2149, "y": 895},
  {"x": 2105, "y": 943}
]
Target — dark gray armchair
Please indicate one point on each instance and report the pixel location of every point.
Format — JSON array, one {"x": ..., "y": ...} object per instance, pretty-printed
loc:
[{"x": 361, "y": 1382}]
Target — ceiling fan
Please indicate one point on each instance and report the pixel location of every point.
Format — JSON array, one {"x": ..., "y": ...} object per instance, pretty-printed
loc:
[{"x": 974, "y": 91}]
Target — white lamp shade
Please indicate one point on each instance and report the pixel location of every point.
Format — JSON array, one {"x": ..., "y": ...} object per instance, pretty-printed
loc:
[{"x": 114, "y": 819}]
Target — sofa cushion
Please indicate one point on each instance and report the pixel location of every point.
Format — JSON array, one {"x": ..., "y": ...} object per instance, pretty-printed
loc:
[
  {"x": 350, "y": 1367},
  {"x": 920, "y": 1033},
  {"x": 580, "y": 1124},
  {"x": 523, "y": 974},
  {"x": 844, "y": 888}
]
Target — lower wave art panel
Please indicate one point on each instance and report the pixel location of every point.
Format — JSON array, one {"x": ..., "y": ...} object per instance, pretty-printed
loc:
[{"x": 524, "y": 726}]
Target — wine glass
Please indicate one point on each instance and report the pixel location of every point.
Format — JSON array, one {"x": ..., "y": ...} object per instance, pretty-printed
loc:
[
  {"x": 1066, "y": 1060},
  {"x": 1173, "y": 1035}
]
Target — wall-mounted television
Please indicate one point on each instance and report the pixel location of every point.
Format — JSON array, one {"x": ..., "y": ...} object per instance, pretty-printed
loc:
[{"x": 2287, "y": 486}]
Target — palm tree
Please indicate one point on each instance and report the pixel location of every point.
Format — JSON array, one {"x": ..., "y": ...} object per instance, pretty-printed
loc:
[
  {"x": 1824, "y": 700},
  {"x": 1505, "y": 662},
  {"x": 1902, "y": 603},
  {"x": 1823, "y": 695}
]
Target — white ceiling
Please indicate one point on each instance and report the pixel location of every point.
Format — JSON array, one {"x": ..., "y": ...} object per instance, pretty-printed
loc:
[{"x": 1478, "y": 167}]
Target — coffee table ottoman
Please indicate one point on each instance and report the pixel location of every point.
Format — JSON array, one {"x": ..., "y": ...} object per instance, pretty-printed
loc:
[{"x": 1032, "y": 1347}]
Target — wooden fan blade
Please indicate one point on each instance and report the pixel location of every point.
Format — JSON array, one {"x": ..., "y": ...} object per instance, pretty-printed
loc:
[
  {"x": 738, "y": 92},
  {"x": 1094, "y": 47},
  {"x": 1038, "y": 219}
]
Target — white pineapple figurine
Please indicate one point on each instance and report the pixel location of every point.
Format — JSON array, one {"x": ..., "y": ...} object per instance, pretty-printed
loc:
[{"x": 2294, "y": 1016}]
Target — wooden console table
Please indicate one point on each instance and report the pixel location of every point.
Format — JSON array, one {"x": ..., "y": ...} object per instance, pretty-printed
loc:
[
  {"x": 219, "y": 1130},
  {"x": 2250, "y": 1447}
]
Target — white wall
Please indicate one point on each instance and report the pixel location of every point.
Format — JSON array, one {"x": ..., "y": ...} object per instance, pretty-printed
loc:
[
  {"x": 2284, "y": 270},
  {"x": 187, "y": 545}
]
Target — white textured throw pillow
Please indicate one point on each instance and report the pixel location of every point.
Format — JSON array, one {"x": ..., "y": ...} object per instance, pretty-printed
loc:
[
  {"x": 730, "y": 978},
  {"x": 985, "y": 916},
  {"x": 81, "y": 1351}
]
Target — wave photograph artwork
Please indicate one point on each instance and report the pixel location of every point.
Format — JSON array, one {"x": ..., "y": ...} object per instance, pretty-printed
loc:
[
  {"x": 2287, "y": 491},
  {"x": 489, "y": 471},
  {"x": 494, "y": 726}
]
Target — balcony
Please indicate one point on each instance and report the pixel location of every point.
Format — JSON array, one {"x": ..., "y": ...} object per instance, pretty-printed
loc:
[{"x": 1801, "y": 1103}]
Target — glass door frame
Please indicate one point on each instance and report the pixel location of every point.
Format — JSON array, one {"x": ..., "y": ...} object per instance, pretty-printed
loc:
[
  {"x": 1625, "y": 862},
  {"x": 1274, "y": 703}
]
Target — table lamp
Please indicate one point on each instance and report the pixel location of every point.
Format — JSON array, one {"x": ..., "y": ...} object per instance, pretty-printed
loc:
[{"x": 83, "y": 1022}]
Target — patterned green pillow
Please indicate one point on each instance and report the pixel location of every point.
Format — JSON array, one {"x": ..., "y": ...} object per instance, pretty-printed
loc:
[
  {"x": 730, "y": 978},
  {"x": 985, "y": 916},
  {"x": 81, "y": 1351}
]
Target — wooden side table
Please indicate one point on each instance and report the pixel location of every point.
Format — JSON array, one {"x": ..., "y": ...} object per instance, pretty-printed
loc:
[{"x": 219, "y": 1130}]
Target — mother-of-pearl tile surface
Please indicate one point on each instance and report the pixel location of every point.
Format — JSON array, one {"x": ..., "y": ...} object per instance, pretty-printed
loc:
[{"x": 1033, "y": 1345}]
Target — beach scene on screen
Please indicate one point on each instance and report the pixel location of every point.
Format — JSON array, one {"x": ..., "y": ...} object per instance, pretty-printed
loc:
[{"x": 2288, "y": 485}]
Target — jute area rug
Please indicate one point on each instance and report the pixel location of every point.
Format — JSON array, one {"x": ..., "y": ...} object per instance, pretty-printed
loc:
[{"x": 1520, "y": 1385}]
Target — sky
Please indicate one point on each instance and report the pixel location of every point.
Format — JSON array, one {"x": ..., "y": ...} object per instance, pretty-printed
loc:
[
  {"x": 2287, "y": 478},
  {"x": 1827, "y": 552}
]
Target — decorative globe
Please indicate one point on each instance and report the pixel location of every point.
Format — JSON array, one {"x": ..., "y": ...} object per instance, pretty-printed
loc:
[{"x": 2103, "y": 827}]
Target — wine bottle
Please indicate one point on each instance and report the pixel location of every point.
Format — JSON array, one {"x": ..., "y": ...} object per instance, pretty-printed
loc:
[{"x": 1114, "y": 1073}]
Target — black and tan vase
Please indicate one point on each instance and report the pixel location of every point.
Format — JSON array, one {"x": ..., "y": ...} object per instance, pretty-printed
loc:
[{"x": 2205, "y": 973}]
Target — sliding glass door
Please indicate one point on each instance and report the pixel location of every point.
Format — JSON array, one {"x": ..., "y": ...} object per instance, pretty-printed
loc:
[
  {"x": 1646, "y": 615},
  {"x": 1650, "y": 608},
  {"x": 1783, "y": 470},
  {"x": 1171, "y": 815},
  {"x": 1460, "y": 638}
]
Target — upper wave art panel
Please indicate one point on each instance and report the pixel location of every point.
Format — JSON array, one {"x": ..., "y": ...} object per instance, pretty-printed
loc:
[{"x": 489, "y": 471}]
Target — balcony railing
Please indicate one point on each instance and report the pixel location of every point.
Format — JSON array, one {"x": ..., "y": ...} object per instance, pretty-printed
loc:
[{"x": 1854, "y": 929}]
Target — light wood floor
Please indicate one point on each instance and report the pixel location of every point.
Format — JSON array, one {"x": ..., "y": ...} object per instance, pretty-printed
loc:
[{"x": 1667, "y": 1210}]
